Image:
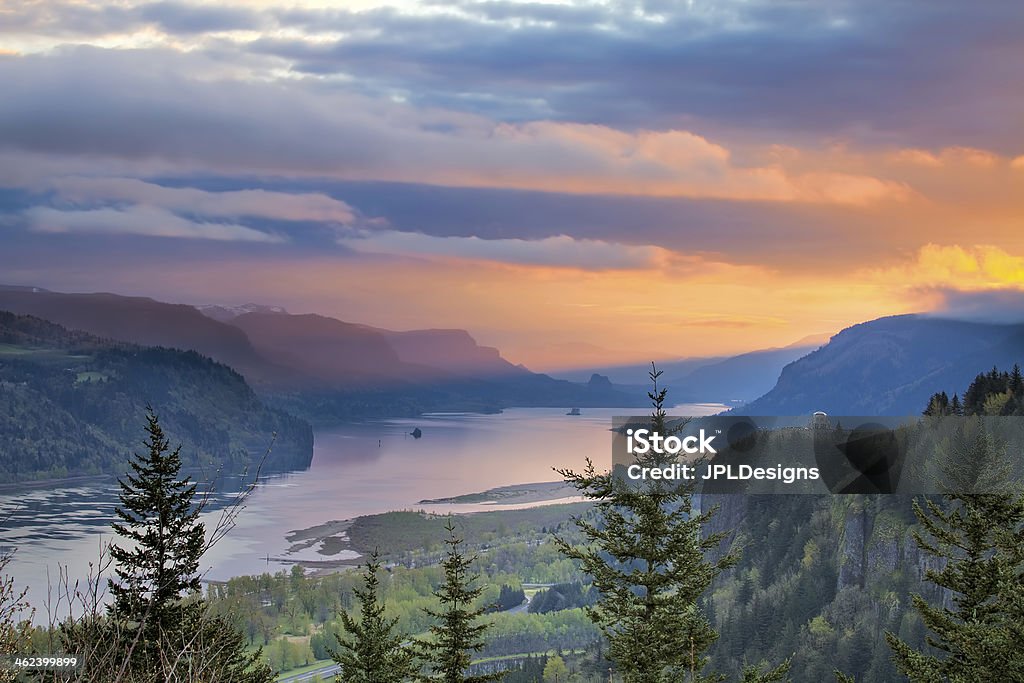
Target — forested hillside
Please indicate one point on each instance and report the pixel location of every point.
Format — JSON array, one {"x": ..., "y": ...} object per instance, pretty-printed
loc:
[
  {"x": 889, "y": 366},
  {"x": 72, "y": 404},
  {"x": 819, "y": 579},
  {"x": 822, "y": 579},
  {"x": 991, "y": 393}
]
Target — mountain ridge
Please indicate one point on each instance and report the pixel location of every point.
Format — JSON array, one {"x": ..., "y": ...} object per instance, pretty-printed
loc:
[
  {"x": 324, "y": 369},
  {"x": 72, "y": 403},
  {"x": 890, "y": 366}
]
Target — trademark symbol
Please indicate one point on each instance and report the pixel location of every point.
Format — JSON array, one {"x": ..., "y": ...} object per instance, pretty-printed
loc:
[{"x": 718, "y": 431}]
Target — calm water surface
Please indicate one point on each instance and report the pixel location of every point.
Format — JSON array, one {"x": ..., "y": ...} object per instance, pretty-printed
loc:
[{"x": 63, "y": 529}]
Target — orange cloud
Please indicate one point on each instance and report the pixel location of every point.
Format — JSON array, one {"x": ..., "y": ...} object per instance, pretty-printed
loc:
[
  {"x": 917, "y": 157},
  {"x": 593, "y": 159},
  {"x": 948, "y": 156},
  {"x": 973, "y": 268},
  {"x": 555, "y": 251}
]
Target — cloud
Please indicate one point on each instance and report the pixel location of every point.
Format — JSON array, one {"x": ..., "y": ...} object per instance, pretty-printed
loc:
[
  {"x": 734, "y": 321},
  {"x": 992, "y": 306},
  {"x": 181, "y": 18},
  {"x": 139, "y": 220},
  {"x": 916, "y": 157},
  {"x": 866, "y": 69},
  {"x": 557, "y": 251},
  {"x": 862, "y": 69},
  {"x": 948, "y": 156},
  {"x": 140, "y": 110},
  {"x": 982, "y": 282},
  {"x": 261, "y": 203},
  {"x": 976, "y": 267},
  {"x": 86, "y": 20}
]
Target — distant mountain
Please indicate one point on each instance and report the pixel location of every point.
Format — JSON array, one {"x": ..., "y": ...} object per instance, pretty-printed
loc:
[
  {"x": 227, "y": 313},
  {"x": 72, "y": 403},
  {"x": 326, "y": 350},
  {"x": 144, "y": 321},
  {"x": 319, "y": 367},
  {"x": 333, "y": 351},
  {"x": 451, "y": 351},
  {"x": 361, "y": 371},
  {"x": 21, "y": 288},
  {"x": 721, "y": 379},
  {"x": 635, "y": 374},
  {"x": 741, "y": 378},
  {"x": 890, "y": 366}
]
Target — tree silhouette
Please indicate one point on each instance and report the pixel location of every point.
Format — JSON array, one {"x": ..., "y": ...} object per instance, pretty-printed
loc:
[
  {"x": 979, "y": 534},
  {"x": 373, "y": 652},
  {"x": 459, "y": 629},
  {"x": 645, "y": 553}
]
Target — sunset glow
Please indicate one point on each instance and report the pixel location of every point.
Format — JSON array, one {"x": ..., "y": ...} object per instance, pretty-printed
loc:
[{"x": 575, "y": 183}]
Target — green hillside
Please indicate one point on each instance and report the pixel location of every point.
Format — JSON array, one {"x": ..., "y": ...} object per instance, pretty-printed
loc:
[{"x": 72, "y": 404}]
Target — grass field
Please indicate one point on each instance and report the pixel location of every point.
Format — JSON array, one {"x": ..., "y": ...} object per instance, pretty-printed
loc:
[
  {"x": 90, "y": 377},
  {"x": 40, "y": 355},
  {"x": 407, "y": 531}
]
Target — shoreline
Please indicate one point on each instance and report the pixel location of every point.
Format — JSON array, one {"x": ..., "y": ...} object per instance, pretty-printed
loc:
[
  {"x": 513, "y": 494},
  {"x": 334, "y": 539}
]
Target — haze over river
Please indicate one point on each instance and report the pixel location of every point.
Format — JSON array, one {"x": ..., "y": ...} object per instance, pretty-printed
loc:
[{"x": 63, "y": 528}]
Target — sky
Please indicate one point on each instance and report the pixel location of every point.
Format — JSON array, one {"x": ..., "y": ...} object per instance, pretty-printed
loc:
[{"x": 575, "y": 182}]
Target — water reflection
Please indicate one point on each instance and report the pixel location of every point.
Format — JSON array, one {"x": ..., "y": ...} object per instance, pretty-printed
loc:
[{"x": 357, "y": 469}]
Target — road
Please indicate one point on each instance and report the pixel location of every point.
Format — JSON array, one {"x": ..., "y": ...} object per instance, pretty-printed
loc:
[{"x": 326, "y": 673}]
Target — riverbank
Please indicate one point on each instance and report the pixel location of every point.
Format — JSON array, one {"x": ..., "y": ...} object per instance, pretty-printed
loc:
[
  {"x": 510, "y": 495},
  {"x": 401, "y": 535}
]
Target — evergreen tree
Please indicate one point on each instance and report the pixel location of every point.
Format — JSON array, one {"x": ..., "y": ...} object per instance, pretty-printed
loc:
[
  {"x": 374, "y": 652},
  {"x": 938, "y": 405},
  {"x": 459, "y": 630},
  {"x": 646, "y": 556},
  {"x": 1016, "y": 380},
  {"x": 979, "y": 533},
  {"x": 159, "y": 629},
  {"x": 157, "y": 569}
]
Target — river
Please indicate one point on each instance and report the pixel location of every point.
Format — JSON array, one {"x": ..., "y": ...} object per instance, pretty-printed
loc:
[{"x": 357, "y": 469}]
